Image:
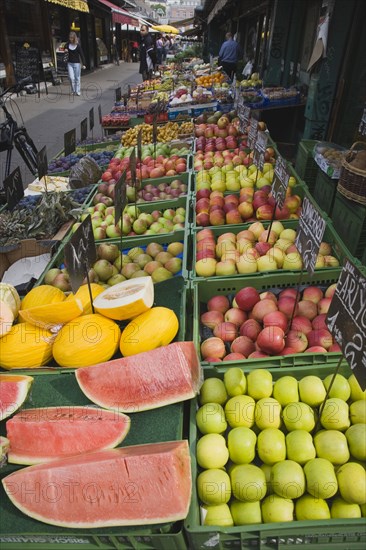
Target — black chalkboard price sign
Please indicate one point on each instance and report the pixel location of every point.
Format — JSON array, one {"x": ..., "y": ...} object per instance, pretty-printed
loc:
[
  {"x": 253, "y": 131},
  {"x": 120, "y": 197},
  {"x": 100, "y": 114},
  {"x": 84, "y": 129},
  {"x": 346, "y": 319},
  {"x": 69, "y": 142},
  {"x": 42, "y": 164},
  {"x": 309, "y": 235},
  {"x": 13, "y": 186},
  {"x": 244, "y": 116},
  {"x": 80, "y": 253},
  {"x": 27, "y": 62},
  {"x": 91, "y": 118},
  {"x": 259, "y": 149},
  {"x": 118, "y": 94},
  {"x": 280, "y": 181}
]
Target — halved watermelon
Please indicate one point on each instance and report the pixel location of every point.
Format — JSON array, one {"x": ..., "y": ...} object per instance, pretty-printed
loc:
[
  {"x": 144, "y": 381},
  {"x": 48, "y": 433},
  {"x": 14, "y": 389},
  {"x": 138, "y": 485}
]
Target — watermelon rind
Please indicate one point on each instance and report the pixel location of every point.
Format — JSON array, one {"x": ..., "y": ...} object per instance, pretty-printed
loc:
[
  {"x": 49, "y": 433},
  {"x": 137, "y": 485},
  {"x": 9, "y": 404}
]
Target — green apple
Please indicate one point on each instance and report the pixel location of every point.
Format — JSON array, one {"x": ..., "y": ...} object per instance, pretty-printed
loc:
[
  {"x": 357, "y": 412},
  {"x": 363, "y": 510},
  {"x": 286, "y": 390},
  {"x": 332, "y": 445},
  {"x": 271, "y": 446},
  {"x": 248, "y": 482},
  {"x": 276, "y": 509},
  {"x": 300, "y": 446},
  {"x": 298, "y": 416},
  {"x": 352, "y": 483},
  {"x": 213, "y": 391},
  {"x": 288, "y": 479},
  {"x": 340, "y": 509},
  {"x": 335, "y": 415},
  {"x": 219, "y": 515},
  {"x": 267, "y": 413},
  {"x": 245, "y": 513},
  {"x": 211, "y": 451},
  {"x": 214, "y": 487},
  {"x": 312, "y": 391},
  {"x": 239, "y": 411},
  {"x": 310, "y": 508},
  {"x": 235, "y": 382},
  {"x": 356, "y": 438},
  {"x": 356, "y": 391},
  {"x": 340, "y": 387},
  {"x": 241, "y": 443},
  {"x": 210, "y": 418},
  {"x": 259, "y": 384},
  {"x": 321, "y": 481},
  {"x": 266, "y": 469}
]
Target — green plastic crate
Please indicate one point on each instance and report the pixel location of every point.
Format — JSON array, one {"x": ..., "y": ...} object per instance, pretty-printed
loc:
[
  {"x": 305, "y": 164},
  {"x": 202, "y": 291},
  {"x": 20, "y": 531},
  {"x": 321, "y": 534},
  {"x": 339, "y": 250},
  {"x": 349, "y": 220},
  {"x": 325, "y": 191}
]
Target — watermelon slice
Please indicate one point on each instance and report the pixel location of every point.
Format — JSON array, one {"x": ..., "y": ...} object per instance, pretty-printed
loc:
[
  {"x": 144, "y": 381},
  {"x": 14, "y": 389},
  {"x": 41, "y": 435},
  {"x": 137, "y": 485}
]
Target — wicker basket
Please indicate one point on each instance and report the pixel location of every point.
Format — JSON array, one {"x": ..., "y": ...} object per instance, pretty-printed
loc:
[{"x": 352, "y": 180}]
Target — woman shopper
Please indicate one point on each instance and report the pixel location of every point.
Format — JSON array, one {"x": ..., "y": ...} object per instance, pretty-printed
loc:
[
  {"x": 147, "y": 53},
  {"x": 75, "y": 58}
]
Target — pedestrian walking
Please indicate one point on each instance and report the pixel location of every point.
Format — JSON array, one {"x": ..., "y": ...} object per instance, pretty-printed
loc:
[
  {"x": 147, "y": 53},
  {"x": 159, "y": 49},
  {"x": 115, "y": 54},
  {"x": 229, "y": 55},
  {"x": 75, "y": 60}
]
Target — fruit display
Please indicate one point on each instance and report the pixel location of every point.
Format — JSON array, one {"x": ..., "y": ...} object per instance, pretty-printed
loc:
[
  {"x": 275, "y": 454},
  {"x": 180, "y": 96},
  {"x": 255, "y": 324},
  {"x": 115, "y": 120},
  {"x": 210, "y": 79},
  {"x": 252, "y": 251},
  {"x": 165, "y": 133},
  {"x": 253, "y": 82},
  {"x": 166, "y": 150},
  {"x": 148, "y": 168},
  {"x": 63, "y": 164},
  {"x": 14, "y": 389}
]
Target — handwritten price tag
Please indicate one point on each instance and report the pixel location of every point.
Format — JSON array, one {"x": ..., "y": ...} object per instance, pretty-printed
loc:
[
  {"x": 259, "y": 149},
  {"x": 253, "y": 131},
  {"x": 280, "y": 181},
  {"x": 244, "y": 116},
  {"x": 80, "y": 253},
  {"x": 13, "y": 186},
  {"x": 346, "y": 319},
  {"x": 309, "y": 234}
]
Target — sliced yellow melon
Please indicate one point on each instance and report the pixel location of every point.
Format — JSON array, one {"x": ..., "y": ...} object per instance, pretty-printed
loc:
[
  {"x": 41, "y": 296},
  {"x": 6, "y": 318},
  {"x": 83, "y": 295},
  {"x": 126, "y": 300},
  {"x": 26, "y": 347},
  {"x": 9, "y": 295},
  {"x": 53, "y": 315}
]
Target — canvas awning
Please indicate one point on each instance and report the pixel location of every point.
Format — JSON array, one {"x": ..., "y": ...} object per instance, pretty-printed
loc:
[
  {"x": 119, "y": 15},
  {"x": 79, "y": 5}
]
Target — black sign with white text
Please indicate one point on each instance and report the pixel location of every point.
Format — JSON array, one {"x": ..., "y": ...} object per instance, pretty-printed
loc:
[
  {"x": 69, "y": 142},
  {"x": 42, "y": 164},
  {"x": 309, "y": 235},
  {"x": 80, "y": 253},
  {"x": 252, "y": 134},
  {"x": 100, "y": 114},
  {"x": 280, "y": 181},
  {"x": 244, "y": 116},
  {"x": 346, "y": 319},
  {"x": 91, "y": 118},
  {"x": 84, "y": 129},
  {"x": 259, "y": 149},
  {"x": 118, "y": 94},
  {"x": 13, "y": 186}
]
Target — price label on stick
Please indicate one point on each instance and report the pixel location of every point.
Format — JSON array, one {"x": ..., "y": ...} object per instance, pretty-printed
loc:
[
  {"x": 244, "y": 116},
  {"x": 309, "y": 235},
  {"x": 42, "y": 164},
  {"x": 133, "y": 166},
  {"x": 120, "y": 197},
  {"x": 70, "y": 142},
  {"x": 259, "y": 149},
  {"x": 13, "y": 186},
  {"x": 84, "y": 129},
  {"x": 346, "y": 319},
  {"x": 253, "y": 131},
  {"x": 100, "y": 114},
  {"x": 91, "y": 118},
  {"x": 280, "y": 181},
  {"x": 118, "y": 94},
  {"x": 80, "y": 253}
]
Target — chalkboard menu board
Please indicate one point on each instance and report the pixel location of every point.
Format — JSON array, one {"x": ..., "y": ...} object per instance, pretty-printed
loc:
[
  {"x": 28, "y": 62},
  {"x": 309, "y": 234},
  {"x": 346, "y": 319}
]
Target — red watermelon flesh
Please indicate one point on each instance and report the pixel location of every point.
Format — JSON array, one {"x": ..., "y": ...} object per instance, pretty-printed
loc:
[
  {"x": 14, "y": 389},
  {"x": 47, "y": 433},
  {"x": 144, "y": 381},
  {"x": 137, "y": 485}
]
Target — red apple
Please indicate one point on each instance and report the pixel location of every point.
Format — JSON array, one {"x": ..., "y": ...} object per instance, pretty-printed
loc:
[
  {"x": 312, "y": 293},
  {"x": 246, "y": 298},
  {"x": 323, "y": 305},
  {"x": 319, "y": 322},
  {"x": 262, "y": 308},
  {"x": 275, "y": 319},
  {"x": 288, "y": 306},
  {"x": 234, "y": 357},
  {"x": 315, "y": 349},
  {"x": 257, "y": 355},
  {"x": 242, "y": 344},
  {"x": 213, "y": 347},
  {"x": 212, "y": 318},
  {"x": 296, "y": 340},
  {"x": 218, "y": 303},
  {"x": 320, "y": 337},
  {"x": 301, "y": 324},
  {"x": 250, "y": 328},
  {"x": 271, "y": 340},
  {"x": 307, "y": 309},
  {"x": 226, "y": 331},
  {"x": 236, "y": 316},
  {"x": 267, "y": 295},
  {"x": 335, "y": 348},
  {"x": 288, "y": 292}
]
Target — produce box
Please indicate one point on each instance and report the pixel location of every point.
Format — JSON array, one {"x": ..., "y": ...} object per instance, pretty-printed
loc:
[
  {"x": 18, "y": 530},
  {"x": 349, "y": 220},
  {"x": 180, "y": 113},
  {"x": 197, "y": 110},
  {"x": 185, "y": 177},
  {"x": 305, "y": 164},
  {"x": 325, "y": 191},
  {"x": 202, "y": 291},
  {"x": 319, "y": 534},
  {"x": 339, "y": 249},
  {"x": 106, "y": 145},
  {"x": 328, "y": 157}
]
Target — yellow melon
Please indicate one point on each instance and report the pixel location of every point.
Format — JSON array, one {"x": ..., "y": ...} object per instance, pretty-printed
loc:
[
  {"x": 41, "y": 296},
  {"x": 126, "y": 300},
  {"x": 155, "y": 328},
  {"x": 52, "y": 316},
  {"x": 83, "y": 295},
  {"x": 85, "y": 341},
  {"x": 6, "y": 318},
  {"x": 26, "y": 347}
]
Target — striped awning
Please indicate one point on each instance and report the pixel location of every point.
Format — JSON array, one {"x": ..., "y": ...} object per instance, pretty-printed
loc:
[
  {"x": 79, "y": 5},
  {"x": 119, "y": 15}
]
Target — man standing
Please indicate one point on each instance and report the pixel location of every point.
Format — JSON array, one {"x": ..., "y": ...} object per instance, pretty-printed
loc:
[
  {"x": 147, "y": 53},
  {"x": 229, "y": 55}
]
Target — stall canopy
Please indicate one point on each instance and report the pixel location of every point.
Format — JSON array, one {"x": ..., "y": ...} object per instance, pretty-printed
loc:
[
  {"x": 165, "y": 28},
  {"x": 119, "y": 15},
  {"x": 79, "y": 5}
]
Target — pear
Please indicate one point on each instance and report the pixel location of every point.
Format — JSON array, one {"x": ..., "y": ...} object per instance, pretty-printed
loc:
[
  {"x": 321, "y": 481},
  {"x": 352, "y": 483},
  {"x": 300, "y": 446},
  {"x": 309, "y": 507},
  {"x": 332, "y": 445},
  {"x": 271, "y": 446}
]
